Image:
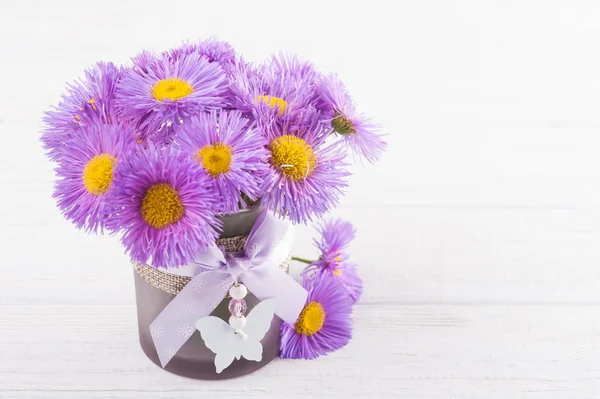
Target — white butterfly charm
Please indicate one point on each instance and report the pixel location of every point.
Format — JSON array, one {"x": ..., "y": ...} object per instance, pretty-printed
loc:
[{"x": 227, "y": 344}]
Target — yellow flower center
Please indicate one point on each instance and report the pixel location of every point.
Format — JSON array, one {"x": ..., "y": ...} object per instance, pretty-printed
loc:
[
  {"x": 311, "y": 319},
  {"x": 171, "y": 89},
  {"x": 337, "y": 272},
  {"x": 98, "y": 174},
  {"x": 293, "y": 156},
  {"x": 273, "y": 102},
  {"x": 342, "y": 125},
  {"x": 216, "y": 159},
  {"x": 161, "y": 206}
]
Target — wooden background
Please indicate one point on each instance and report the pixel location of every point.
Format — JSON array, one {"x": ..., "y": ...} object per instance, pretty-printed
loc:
[{"x": 479, "y": 232}]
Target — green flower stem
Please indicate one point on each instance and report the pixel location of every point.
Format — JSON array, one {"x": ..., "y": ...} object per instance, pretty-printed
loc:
[{"x": 303, "y": 260}]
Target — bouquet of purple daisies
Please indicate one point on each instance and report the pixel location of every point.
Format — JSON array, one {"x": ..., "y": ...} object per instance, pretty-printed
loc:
[{"x": 159, "y": 150}]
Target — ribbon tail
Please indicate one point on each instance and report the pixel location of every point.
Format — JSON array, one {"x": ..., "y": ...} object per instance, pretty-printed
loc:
[
  {"x": 176, "y": 323},
  {"x": 272, "y": 282}
]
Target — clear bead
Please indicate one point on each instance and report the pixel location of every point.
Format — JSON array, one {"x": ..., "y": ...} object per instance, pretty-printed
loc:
[{"x": 237, "y": 307}]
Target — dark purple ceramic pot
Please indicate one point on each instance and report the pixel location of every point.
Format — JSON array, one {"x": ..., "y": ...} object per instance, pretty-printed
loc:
[{"x": 194, "y": 359}]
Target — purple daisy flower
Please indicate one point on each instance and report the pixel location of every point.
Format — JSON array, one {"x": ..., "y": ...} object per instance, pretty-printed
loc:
[
  {"x": 143, "y": 60},
  {"x": 357, "y": 131},
  {"x": 283, "y": 89},
  {"x": 232, "y": 153},
  {"x": 324, "y": 325},
  {"x": 334, "y": 237},
  {"x": 305, "y": 177},
  {"x": 86, "y": 173},
  {"x": 87, "y": 101},
  {"x": 214, "y": 50},
  {"x": 163, "y": 203},
  {"x": 290, "y": 66},
  {"x": 158, "y": 95}
]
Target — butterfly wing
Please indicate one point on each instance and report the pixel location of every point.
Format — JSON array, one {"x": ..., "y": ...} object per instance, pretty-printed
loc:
[
  {"x": 252, "y": 350},
  {"x": 258, "y": 323},
  {"x": 223, "y": 360},
  {"x": 220, "y": 338}
]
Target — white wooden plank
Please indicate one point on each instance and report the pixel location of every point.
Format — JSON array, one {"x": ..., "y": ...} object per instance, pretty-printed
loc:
[
  {"x": 405, "y": 255},
  {"x": 494, "y": 104},
  {"x": 428, "y": 165},
  {"x": 77, "y": 350},
  {"x": 478, "y": 233},
  {"x": 531, "y": 61}
]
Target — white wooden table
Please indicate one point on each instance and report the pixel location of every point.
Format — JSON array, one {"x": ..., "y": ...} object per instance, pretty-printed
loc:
[{"x": 479, "y": 233}]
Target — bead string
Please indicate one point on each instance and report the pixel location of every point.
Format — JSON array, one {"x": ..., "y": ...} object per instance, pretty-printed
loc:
[{"x": 237, "y": 308}]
